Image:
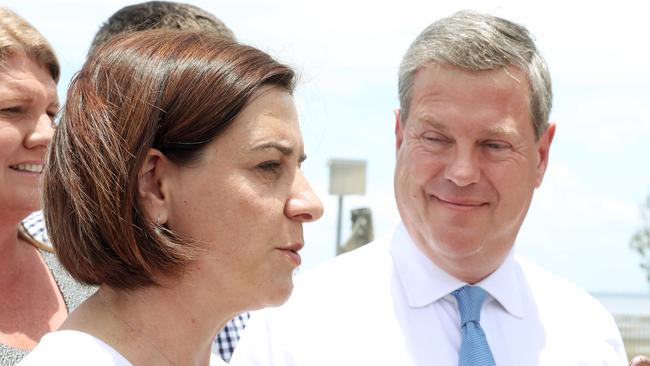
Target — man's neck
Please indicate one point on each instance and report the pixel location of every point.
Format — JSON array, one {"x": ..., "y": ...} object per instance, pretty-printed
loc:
[{"x": 471, "y": 269}]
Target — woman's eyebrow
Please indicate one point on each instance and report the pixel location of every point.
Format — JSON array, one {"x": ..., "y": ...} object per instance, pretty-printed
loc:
[{"x": 285, "y": 150}]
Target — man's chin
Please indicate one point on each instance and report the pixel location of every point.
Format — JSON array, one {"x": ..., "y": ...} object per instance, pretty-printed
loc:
[{"x": 456, "y": 246}]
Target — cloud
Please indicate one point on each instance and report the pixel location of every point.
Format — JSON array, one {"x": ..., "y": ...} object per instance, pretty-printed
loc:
[
  {"x": 569, "y": 202},
  {"x": 610, "y": 121}
]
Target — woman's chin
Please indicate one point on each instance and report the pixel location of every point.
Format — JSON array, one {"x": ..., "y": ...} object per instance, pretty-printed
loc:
[{"x": 279, "y": 296}]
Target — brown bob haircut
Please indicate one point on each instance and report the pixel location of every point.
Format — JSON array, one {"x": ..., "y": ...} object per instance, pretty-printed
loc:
[{"x": 171, "y": 90}]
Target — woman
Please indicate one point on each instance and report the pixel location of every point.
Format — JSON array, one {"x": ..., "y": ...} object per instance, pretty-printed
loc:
[
  {"x": 173, "y": 183},
  {"x": 36, "y": 294}
]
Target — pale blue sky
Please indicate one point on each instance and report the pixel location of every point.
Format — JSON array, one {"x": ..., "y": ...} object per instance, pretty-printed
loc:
[{"x": 347, "y": 53}]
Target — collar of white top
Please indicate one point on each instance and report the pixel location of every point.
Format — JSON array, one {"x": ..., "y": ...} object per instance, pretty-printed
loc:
[{"x": 425, "y": 283}]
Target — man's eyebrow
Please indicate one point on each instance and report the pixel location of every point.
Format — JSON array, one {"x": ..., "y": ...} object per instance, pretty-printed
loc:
[
  {"x": 432, "y": 122},
  {"x": 501, "y": 131},
  {"x": 495, "y": 131}
]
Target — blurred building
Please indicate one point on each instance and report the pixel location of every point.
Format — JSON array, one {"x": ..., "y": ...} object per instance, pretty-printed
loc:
[{"x": 632, "y": 315}]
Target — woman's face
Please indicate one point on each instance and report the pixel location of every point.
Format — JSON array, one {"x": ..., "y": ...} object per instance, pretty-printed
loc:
[
  {"x": 246, "y": 200},
  {"x": 28, "y": 103}
]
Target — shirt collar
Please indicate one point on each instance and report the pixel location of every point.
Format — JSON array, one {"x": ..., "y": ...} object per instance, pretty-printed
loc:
[
  {"x": 424, "y": 282},
  {"x": 504, "y": 286}
]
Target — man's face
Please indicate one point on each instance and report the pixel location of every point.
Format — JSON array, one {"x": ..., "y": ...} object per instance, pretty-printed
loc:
[{"x": 467, "y": 166}]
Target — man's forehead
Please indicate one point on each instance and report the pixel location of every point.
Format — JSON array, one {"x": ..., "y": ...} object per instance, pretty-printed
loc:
[
  {"x": 444, "y": 93},
  {"x": 514, "y": 72},
  {"x": 448, "y": 83}
]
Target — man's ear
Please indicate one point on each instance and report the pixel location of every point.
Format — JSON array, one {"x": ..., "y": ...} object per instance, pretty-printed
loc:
[
  {"x": 543, "y": 150},
  {"x": 399, "y": 129},
  {"x": 153, "y": 185}
]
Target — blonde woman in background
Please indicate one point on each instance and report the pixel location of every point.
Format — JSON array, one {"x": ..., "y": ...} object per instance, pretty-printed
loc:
[{"x": 36, "y": 292}]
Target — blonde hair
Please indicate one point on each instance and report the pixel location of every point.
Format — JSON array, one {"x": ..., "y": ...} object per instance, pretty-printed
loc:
[{"x": 18, "y": 36}]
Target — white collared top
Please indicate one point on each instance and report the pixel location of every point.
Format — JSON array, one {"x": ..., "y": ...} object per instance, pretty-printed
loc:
[
  {"x": 75, "y": 348},
  {"x": 387, "y": 304}
]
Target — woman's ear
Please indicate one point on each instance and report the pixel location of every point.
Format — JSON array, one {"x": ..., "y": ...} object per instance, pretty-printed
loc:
[{"x": 153, "y": 183}]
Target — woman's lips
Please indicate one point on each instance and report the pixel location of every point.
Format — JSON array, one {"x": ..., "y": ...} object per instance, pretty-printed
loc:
[
  {"x": 291, "y": 252},
  {"x": 35, "y": 168}
]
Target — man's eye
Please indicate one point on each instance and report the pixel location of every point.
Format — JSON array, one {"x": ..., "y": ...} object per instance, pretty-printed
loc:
[
  {"x": 435, "y": 138},
  {"x": 495, "y": 145}
]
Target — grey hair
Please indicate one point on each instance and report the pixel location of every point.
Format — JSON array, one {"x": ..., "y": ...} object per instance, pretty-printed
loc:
[
  {"x": 159, "y": 15},
  {"x": 475, "y": 41}
]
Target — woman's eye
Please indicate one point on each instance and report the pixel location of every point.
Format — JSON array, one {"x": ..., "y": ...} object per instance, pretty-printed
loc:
[
  {"x": 270, "y": 166},
  {"x": 11, "y": 110}
]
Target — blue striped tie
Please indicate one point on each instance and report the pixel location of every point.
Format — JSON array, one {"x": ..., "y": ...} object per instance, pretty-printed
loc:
[{"x": 474, "y": 348}]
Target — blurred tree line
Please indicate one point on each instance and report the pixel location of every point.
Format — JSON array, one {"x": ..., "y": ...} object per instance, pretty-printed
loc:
[{"x": 641, "y": 240}]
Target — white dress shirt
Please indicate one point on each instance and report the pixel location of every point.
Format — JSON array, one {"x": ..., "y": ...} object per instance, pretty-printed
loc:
[{"x": 387, "y": 304}]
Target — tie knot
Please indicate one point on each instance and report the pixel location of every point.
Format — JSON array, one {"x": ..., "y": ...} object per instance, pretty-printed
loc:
[{"x": 470, "y": 299}]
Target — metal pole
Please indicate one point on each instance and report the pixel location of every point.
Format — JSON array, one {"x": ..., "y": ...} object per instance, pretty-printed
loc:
[{"x": 338, "y": 226}]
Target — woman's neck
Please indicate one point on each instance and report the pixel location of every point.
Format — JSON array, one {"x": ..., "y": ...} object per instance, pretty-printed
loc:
[
  {"x": 9, "y": 252},
  {"x": 169, "y": 324},
  {"x": 9, "y": 221}
]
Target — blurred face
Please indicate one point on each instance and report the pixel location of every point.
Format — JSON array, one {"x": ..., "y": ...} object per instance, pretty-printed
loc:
[
  {"x": 246, "y": 201},
  {"x": 28, "y": 103},
  {"x": 467, "y": 166}
]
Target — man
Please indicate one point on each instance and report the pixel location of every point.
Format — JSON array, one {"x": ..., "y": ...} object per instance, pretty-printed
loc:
[
  {"x": 473, "y": 141},
  {"x": 159, "y": 15},
  {"x": 640, "y": 361}
]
